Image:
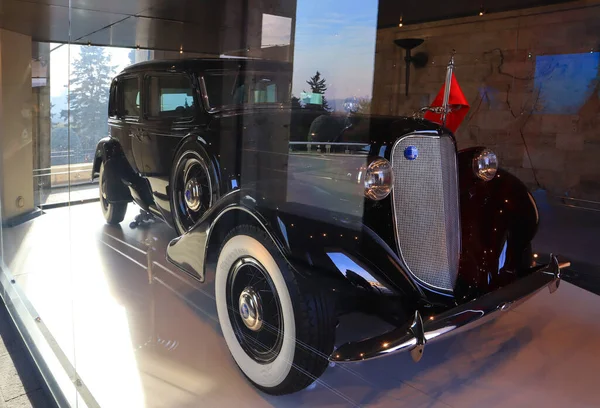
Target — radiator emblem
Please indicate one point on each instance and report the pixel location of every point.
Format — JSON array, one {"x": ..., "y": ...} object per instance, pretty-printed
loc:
[{"x": 411, "y": 153}]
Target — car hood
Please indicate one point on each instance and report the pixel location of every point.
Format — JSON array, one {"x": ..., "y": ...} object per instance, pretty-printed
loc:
[{"x": 310, "y": 125}]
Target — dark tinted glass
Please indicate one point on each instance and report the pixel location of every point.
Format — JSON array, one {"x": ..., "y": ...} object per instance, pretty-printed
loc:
[
  {"x": 170, "y": 96},
  {"x": 131, "y": 97},
  {"x": 247, "y": 88}
]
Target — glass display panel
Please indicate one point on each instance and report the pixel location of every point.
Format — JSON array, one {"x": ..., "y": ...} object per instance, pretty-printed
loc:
[{"x": 298, "y": 203}]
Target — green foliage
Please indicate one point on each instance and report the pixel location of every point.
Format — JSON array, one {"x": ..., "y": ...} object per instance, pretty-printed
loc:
[
  {"x": 59, "y": 141},
  {"x": 319, "y": 85},
  {"x": 296, "y": 102},
  {"x": 364, "y": 105},
  {"x": 131, "y": 57},
  {"x": 90, "y": 83}
]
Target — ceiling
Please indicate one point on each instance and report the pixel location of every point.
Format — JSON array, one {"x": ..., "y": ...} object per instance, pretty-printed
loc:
[
  {"x": 420, "y": 11},
  {"x": 201, "y": 26}
]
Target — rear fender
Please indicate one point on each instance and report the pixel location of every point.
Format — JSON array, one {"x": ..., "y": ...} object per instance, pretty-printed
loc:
[
  {"x": 116, "y": 167},
  {"x": 106, "y": 148}
]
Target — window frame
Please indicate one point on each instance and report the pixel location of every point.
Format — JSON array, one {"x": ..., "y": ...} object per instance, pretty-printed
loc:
[
  {"x": 206, "y": 104},
  {"x": 121, "y": 97},
  {"x": 113, "y": 100},
  {"x": 147, "y": 102}
]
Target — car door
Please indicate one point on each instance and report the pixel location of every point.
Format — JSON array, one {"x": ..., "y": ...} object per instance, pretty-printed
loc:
[
  {"x": 169, "y": 115},
  {"x": 130, "y": 109}
]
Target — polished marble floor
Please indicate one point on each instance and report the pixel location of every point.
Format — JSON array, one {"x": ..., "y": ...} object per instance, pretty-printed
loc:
[{"x": 141, "y": 344}]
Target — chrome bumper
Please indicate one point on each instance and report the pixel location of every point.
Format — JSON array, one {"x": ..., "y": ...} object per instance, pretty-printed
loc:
[{"x": 415, "y": 334}]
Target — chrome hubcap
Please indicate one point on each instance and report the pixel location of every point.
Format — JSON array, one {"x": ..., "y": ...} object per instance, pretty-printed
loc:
[
  {"x": 251, "y": 309},
  {"x": 193, "y": 194}
]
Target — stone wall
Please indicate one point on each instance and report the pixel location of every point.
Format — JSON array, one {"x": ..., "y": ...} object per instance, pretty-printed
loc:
[{"x": 532, "y": 101}]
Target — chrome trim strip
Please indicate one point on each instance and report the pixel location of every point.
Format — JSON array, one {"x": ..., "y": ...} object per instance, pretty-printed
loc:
[
  {"x": 329, "y": 143},
  {"x": 204, "y": 93}
]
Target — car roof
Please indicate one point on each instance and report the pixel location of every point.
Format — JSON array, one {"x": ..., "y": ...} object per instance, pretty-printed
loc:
[{"x": 204, "y": 64}]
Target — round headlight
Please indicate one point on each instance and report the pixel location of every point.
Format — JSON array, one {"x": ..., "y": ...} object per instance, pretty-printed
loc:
[
  {"x": 485, "y": 165},
  {"x": 378, "y": 179}
]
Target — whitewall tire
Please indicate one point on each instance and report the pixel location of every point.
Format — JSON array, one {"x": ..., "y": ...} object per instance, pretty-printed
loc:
[{"x": 272, "y": 328}]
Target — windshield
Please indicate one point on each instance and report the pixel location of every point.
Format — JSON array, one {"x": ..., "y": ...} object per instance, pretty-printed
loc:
[{"x": 239, "y": 88}]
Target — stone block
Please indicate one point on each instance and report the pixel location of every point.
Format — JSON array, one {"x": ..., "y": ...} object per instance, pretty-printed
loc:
[
  {"x": 569, "y": 141},
  {"x": 525, "y": 175},
  {"x": 585, "y": 162},
  {"x": 533, "y": 124},
  {"x": 540, "y": 140},
  {"x": 557, "y": 182},
  {"x": 509, "y": 154},
  {"x": 433, "y": 74},
  {"x": 494, "y": 119},
  {"x": 544, "y": 158},
  {"x": 500, "y": 24},
  {"x": 485, "y": 41},
  {"x": 464, "y": 136},
  {"x": 559, "y": 123},
  {"x": 589, "y": 123},
  {"x": 589, "y": 188},
  {"x": 520, "y": 70},
  {"x": 515, "y": 55}
]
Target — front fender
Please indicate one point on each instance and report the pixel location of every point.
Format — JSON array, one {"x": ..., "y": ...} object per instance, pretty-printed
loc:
[
  {"x": 499, "y": 219},
  {"x": 320, "y": 247}
]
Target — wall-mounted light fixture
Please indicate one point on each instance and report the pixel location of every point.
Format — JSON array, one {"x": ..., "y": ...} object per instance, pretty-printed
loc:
[{"x": 419, "y": 60}]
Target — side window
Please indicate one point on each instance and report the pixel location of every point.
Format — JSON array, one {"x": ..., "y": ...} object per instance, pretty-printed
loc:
[
  {"x": 131, "y": 96},
  {"x": 112, "y": 100},
  {"x": 170, "y": 96}
]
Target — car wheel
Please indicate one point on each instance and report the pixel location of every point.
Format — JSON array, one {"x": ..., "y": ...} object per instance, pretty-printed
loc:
[
  {"x": 113, "y": 213},
  {"x": 191, "y": 189},
  {"x": 279, "y": 334}
]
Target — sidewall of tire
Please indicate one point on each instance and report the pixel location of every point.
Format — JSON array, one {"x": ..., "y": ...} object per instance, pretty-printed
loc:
[
  {"x": 114, "y": 213},
  {"x": 264, "y": 375}
]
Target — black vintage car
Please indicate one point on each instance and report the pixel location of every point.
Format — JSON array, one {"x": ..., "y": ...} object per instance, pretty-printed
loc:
[{"x": 306, "y": 215}]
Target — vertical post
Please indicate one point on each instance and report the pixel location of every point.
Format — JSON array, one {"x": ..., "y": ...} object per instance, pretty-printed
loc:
[
  {"x": 150, "y": 250},
  {"x": 407, "y": 60},
  {"x": 445, "y": 105},
  {"x": 150, "y": 247}
]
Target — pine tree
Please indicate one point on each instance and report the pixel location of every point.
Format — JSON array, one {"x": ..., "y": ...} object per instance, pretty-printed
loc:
[
  {"x": 131, "y": 57},
  {"x": 318, "y": 85},
  {"x": 88, "y": 100}
]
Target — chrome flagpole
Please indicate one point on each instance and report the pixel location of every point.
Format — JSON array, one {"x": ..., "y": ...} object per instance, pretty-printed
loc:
[{"x": 445, "y": 105}]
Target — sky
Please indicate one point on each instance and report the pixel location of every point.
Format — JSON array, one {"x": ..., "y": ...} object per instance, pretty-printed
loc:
[
  {"x": 335, "y": 37},
  {"x": 59, "y": 64}
]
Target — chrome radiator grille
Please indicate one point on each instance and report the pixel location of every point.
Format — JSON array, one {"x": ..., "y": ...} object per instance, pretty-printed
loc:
[{"x": 427, "y": 214}]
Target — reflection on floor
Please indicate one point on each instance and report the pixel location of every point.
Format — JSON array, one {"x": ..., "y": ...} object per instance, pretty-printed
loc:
[
  {"x": 159, "y": 345},
  {"x": 76, "y": 193},
  {"x": 575, "y": 234}
]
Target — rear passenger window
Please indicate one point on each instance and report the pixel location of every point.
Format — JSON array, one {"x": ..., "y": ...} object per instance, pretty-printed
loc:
[
  {"x": 170, "y": 96},
  {"x": 131, "y": 96}
]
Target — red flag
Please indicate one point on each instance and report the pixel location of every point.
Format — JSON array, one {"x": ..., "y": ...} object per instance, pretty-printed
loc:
[{"x": 458, "y": 104}]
